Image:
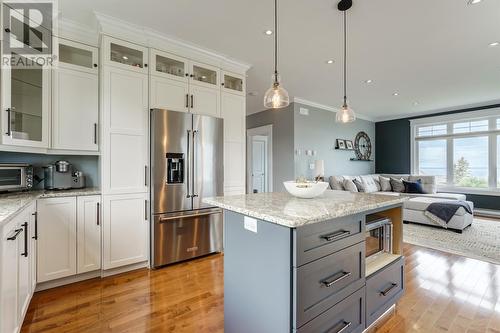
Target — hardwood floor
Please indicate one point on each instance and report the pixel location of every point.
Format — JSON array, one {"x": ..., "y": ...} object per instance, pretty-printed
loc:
[{"x": 444, "y": 293}]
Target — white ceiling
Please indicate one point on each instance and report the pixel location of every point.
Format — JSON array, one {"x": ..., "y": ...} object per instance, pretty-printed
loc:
[{"x": 434, "y": 52}]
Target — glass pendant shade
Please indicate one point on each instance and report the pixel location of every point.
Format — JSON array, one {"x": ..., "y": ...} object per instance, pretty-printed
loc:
[
  {"x": 345, "y": 115},
  {"x": 276, "y": 97}
]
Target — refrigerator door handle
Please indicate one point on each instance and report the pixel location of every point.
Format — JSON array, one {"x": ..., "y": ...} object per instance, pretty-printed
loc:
[
  {"x": 188, "y": 169},
  {"x": 193, "y": 191}
]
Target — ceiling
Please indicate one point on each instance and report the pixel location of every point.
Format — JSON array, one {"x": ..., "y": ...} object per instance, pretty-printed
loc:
[{"x": 434, "y": 54}]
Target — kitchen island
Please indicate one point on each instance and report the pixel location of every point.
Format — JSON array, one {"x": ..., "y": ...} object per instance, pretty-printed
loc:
[{"x": 298, "y": 265}]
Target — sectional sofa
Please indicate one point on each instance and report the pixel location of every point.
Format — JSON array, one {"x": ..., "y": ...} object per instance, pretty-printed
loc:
[{"x": 415, "y": 206}]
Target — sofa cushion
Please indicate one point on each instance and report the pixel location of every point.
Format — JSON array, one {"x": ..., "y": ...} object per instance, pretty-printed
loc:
[
  {"x": 428, "y": 183},
  {"x": 385, "y": 184},
  {"x": 397, "y": 176},
  {"x": 349, "y": 185},
  {"x": 369, "y": 184},
  {"x": 359, "y": 185},
  {"x": 421, "y": 204},
  {"x": 397, "y": 185},
  {"x": 413, "y": 187},
  {"x": 336, "y": 183}
]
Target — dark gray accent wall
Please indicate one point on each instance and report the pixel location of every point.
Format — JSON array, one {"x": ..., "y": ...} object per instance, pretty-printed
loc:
[
  {"x": 318, "y": 131},
  {"x": 87, "y": 164},
  {"x": 283, "y": 144},
  {"x": 393, "y": 151}
]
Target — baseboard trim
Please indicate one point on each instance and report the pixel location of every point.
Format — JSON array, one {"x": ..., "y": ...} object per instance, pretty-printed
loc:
[
  {"x": 67, "y": 280},
  {"x": 124, "y": 269},
  {"x": 486, "y": 212},
  {"x": 381, "y": 320}
]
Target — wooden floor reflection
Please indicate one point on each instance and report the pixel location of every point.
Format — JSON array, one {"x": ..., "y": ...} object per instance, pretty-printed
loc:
[{"x": 444, "y": 293}]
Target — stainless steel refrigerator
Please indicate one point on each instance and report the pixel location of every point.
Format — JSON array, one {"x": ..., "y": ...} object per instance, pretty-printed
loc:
[{"x": 186, "y": 166}]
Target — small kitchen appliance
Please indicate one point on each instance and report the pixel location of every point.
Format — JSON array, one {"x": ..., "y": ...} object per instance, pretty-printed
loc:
[
  {"x": 15, "y": 177},
  {"x": 61, "y": 176}
]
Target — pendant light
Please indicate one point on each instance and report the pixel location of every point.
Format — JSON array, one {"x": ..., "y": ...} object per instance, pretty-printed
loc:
[
  {"x": 276, "y": 97},
  {"x": 345, "y": 114}
]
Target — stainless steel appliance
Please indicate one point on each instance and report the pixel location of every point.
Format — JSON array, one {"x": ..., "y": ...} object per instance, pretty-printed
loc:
[
  {"x": 16, "y": 177},
  {"x": 186, "y": 166},
  {"x": 62, "y": 176},
  {"x": 378, "y": 235}
]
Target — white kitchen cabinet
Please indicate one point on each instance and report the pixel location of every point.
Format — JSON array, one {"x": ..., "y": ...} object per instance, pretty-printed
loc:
[
  {"x": 125, "y": 128},
  {"x": 233, "y": 83},
  {"x": 78, "y": 56},
  {"x": 88, "y": 228},
  {"x": 204, "y": 75},
  {"x": 169, "y": 94},
  {"x": 24, "y": 273},
  {"x": 204, "y": 100},
  {"x": 168, "y": 66},
  {"x": 125, "y": 230},
  {"x": 125, "y": 55},
  {"x": 33, "y": 217},
  {"x": 56, "y": 238}
]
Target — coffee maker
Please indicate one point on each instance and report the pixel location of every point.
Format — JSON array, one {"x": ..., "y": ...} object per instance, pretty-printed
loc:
[{"x": 61, "y": 176}]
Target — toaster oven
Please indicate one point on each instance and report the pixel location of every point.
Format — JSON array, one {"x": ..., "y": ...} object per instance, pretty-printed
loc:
[
  {"x": 378, "y": 235},
  {"x": 16, "y": 177}
]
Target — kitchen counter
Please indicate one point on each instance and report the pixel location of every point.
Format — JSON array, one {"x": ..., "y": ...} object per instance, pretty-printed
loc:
[
  {"x": 12, "y": 203},
  {"x": 288, "y": 211}
]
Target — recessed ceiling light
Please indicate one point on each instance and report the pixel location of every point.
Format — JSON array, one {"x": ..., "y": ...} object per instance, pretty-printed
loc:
[
  {"x": 368, "y": 81},
  {"x": 473, "y": 2},
  {"x": 415, "y": 103},
  {"x": 268, "y": 32},
  {"x": 494, "y": 44},
  {"x": 395, "y": 94},
  {"x": 125, "y": 58},
  {"x": 330, "y": 61}
]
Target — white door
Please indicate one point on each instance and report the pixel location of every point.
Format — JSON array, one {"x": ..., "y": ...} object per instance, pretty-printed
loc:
[
  {"x": 88, "y": 227},
  {"x": 125, "y": 124},
  {"x": 56, "y": 238},
  {"x": 75, "y": 110},
  {"x": 125, "y": 230},
  {"x": 259, "y": 156},
  {"x": 169, "y": 94},
  {"x": 204, "y": 100},
  {"x": 24, "y": 274},
  {"x": 8, "y": 277}
]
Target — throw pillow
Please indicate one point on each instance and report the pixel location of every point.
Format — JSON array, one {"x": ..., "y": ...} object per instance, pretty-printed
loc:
[
  {"x": 385, "y": 184},
  {"x": 359, "y": 185},
  {"x": 397, "y": 185},
  {"x": 349, "y": 185},
  {"x": 336, "y": 183},
  {"x": 369, "y": 184},
  {"x": 413, "y": 187}
]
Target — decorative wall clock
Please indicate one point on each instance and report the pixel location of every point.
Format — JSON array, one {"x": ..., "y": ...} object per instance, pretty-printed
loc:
[{"x": 362, "y": 146}]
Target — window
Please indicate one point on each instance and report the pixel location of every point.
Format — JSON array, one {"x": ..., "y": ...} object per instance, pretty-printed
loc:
[{"x": 461, "y": 150}]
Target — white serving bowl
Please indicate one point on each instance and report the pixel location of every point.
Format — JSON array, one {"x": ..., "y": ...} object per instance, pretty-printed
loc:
[{"x": 305, "y": 190}]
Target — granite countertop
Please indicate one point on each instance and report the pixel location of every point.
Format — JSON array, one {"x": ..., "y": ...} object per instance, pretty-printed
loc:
[
  {"x": 286, "y": 210},
  {"x": 12, "y": 203}
]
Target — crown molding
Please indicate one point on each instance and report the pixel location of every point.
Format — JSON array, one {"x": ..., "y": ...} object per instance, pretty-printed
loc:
[
  {"x": 118, "y": 28},
  {"x": 72, "y": 30},
  {"x": 326, "y": 107}
]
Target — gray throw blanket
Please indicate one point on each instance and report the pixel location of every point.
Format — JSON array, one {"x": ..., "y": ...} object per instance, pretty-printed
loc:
[{"x": 445, "y": 210}]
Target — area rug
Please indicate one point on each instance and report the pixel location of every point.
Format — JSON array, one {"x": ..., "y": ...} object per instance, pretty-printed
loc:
[{"x": 479, "y": 241}]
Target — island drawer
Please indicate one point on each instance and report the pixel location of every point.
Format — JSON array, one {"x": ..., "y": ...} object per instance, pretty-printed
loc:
[
  {"x": 325, "y": 282},
  {"x": 347, "y": 316},
  {"x": 321, "y": 239},
  {"x": 383, "y": 289}
]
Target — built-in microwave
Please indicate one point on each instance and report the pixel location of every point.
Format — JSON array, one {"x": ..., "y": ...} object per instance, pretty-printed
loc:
[
  {"x": 378, "y": 235},
  {"x": 16, "y": 177}
]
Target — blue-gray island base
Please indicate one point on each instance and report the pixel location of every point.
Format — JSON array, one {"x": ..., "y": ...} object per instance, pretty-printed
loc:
[{"x": 310, "y": 278}]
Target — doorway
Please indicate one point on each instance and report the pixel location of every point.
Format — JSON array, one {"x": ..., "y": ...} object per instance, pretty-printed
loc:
[{"x": 259, "y": 159}]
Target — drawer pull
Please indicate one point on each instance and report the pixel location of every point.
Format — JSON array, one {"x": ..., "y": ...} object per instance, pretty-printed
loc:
[
  {"x": 345, "y": 325},
  {"x": 336, "y": 235},
  {"x": 388, "y": 290},
  {"x": 331, "y": 281}
]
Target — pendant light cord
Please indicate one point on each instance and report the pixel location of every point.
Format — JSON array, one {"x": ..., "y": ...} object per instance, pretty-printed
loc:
[
  {"x": 345, "y": 57},
  {"x": 275, "y": 41}
]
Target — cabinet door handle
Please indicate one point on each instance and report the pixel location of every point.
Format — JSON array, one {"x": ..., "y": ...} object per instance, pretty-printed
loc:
[
  {"x": 95, "y": 133},
  {"x": 336, "y": 235},
  {"x": 331, "y": 280},
  {"x": 98, "y": 213},
  {"x": 35, "y": 214},
  {"x": 25, "y": 226},
  {"x": 388, "y": 290},
  {"x": 192, "y": 101},
  {"x": 16, "y": 233},
  {"x": 187, "y": 100},
  {"x": 8, "y": 122},
  {"x": 145, "y": 175},
  {"x": 345, "y": 326},
  {"x": 146, "y": 210}
]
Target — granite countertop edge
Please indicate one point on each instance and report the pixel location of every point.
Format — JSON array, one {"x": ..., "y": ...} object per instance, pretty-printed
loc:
[{"x": 11, "y": 204}]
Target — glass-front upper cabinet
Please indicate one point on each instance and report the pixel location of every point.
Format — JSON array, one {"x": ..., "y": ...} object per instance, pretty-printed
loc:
[
  {"x": 78, "y": 56},
  {"x": 125, "y": 55},
  {"x": 204, "y": 74},
  {"x": 168, "y": 65},
  {"x": 233, "y": 83},
  {"x": 25, "y": 105}
]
